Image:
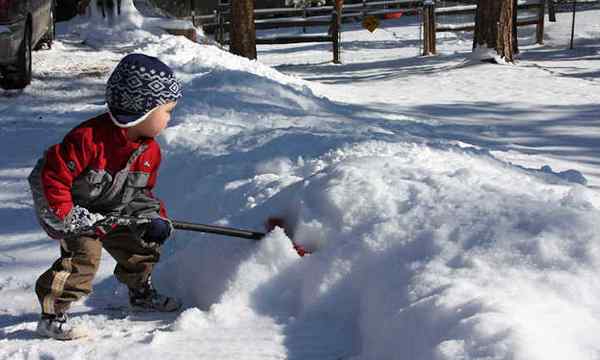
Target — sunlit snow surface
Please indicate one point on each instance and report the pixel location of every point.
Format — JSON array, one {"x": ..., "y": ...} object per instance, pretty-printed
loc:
[{"x": 448, "y": 215}]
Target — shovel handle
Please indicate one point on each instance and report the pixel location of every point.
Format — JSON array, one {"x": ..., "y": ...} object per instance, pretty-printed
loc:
[{"x": 219, "y": 230}]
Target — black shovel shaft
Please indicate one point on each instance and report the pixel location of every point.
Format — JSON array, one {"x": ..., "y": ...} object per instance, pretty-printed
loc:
[{"x": 219, "y": 230}]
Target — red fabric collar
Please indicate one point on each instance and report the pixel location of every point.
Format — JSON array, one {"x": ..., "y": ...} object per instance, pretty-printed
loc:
[{"x": 122, "y": 138}]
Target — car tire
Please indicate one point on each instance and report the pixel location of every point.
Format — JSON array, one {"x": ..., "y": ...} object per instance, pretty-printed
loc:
[
  {"x": 66, "y": 9},
  {"x": 21, "y": 76},
  {"x": 50, "y": 35}
]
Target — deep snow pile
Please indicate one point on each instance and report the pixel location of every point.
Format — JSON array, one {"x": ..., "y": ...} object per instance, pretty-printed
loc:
[
  {"x": 423, "y": 248},
  {"x": 423, "y": 252}
]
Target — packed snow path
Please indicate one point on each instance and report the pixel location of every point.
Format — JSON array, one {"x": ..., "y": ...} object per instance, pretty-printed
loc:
[{"x": 420, "y": 183}]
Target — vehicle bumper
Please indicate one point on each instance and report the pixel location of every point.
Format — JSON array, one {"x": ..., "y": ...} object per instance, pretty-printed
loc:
[{"x": 11, "y": 36}]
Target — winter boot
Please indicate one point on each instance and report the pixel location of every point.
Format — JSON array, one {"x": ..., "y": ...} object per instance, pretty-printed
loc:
[
  {"x": 58, "y": 327},
  {"x": 147, "y": 298}
]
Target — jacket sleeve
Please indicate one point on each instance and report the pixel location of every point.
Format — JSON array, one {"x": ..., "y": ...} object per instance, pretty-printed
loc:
[{"x": 52, "y": 178}]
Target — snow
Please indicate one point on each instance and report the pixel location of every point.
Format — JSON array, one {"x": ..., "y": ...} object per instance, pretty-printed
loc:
[{"x": 450, "y": 205}]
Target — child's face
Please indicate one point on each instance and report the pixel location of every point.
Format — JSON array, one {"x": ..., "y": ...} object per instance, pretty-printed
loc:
[{"x": 155, "y": 123}]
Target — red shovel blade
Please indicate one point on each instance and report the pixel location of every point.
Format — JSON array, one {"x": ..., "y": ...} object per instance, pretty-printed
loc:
[{"x": 273, "y": 222}]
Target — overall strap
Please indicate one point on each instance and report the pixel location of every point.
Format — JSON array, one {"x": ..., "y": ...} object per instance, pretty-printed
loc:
[{"x": 121, "y": 176}]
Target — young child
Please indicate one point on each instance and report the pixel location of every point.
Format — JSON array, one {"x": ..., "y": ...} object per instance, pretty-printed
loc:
[{"x": 107, "y": 166}]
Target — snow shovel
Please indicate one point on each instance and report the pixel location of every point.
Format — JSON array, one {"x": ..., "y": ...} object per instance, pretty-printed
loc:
[{"x": 271, "y": 223}]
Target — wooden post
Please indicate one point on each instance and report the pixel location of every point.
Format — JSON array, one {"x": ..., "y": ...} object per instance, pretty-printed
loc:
[
  {"x": 335, "y": 34},
  {"x": 223, "y": 15},
  {"x": 573, "y": 25},
  {"x": 551, "y": 11},
  {"x": 540, "y": 24},
  {"x": 336, "y": 25},
  {"x": 432, "y": 29},
  {"x": 193, "y": 8},
  {"x": 304, "y": 14},
  {"x": 425, "y": 20},
  {"x": 429, "y": 37},
  {"x": 219, "y": 29},
  {"x": 240, "y": 24}
]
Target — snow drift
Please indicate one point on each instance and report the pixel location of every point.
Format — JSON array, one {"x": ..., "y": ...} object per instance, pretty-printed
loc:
[
  {"x": 421, "y": 252},
  {"x": 423, "y": 249}
]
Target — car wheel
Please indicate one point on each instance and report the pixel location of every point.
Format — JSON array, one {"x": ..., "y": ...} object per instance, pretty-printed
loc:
[
  {"x": 21, "y": 76},
  {"x": 66, "y": 9}
]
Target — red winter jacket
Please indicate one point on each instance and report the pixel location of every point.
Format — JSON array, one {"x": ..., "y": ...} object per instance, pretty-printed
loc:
[{"x": 97, "y": 167}]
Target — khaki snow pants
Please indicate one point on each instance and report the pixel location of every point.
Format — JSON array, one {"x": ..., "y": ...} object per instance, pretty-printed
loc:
[{"x": 70, "y": 277}]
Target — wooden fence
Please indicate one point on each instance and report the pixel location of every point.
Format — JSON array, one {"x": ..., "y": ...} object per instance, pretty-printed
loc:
[
  {"x": 332, "y": 18},
  {"x": 287, "y": 18},
  {"x": 323, "y": 16}
]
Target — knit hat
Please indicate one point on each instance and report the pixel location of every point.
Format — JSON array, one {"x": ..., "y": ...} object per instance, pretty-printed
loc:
[{"x": 137, "y": 86}]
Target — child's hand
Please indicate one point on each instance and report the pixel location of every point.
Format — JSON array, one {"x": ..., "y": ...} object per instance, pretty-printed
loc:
[
  {"x": 157, "y": 231},
  {"x": 81, "y": 221}
]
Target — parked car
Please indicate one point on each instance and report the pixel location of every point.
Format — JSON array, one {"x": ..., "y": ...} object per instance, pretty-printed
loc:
[{"x": 24, "y": 25}]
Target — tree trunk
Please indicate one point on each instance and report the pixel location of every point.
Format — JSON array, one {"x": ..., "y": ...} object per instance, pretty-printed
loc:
[
  {"x": 243, "y": 31},
  {"x": 496, "y": 27}
]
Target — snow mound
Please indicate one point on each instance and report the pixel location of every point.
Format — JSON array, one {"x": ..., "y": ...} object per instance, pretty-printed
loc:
[
  {"x": 422, "y": 250},
  {"x": 439, "y": 253},
  {"x": 427, "y": 252},
  {"x": 126, "y": 31}
]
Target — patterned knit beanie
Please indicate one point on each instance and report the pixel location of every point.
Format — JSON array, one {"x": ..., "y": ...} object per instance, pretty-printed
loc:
[{"x": 139, "y": 84}]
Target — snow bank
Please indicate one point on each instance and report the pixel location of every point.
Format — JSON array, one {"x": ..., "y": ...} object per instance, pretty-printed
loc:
[
  {"x": 98, "y": 31},
  {"x": 422, "y": 250},
  {"x": 129, "y": 29}
]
